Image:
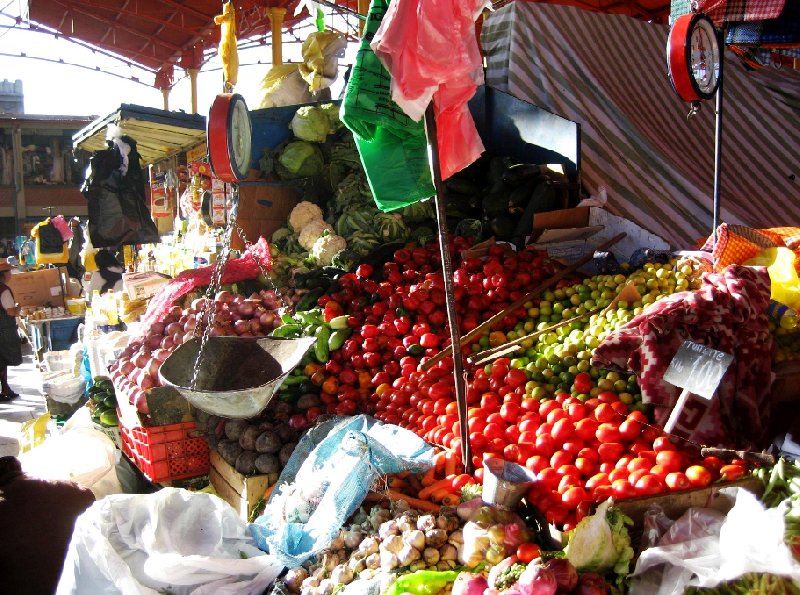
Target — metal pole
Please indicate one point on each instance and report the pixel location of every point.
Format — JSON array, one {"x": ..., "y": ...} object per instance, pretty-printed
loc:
[
  {"x": 718, "y": 137},
  {"x": 447, "y": 273},
  {"x": 193, "y": 82},
  {"x": 276, "y": 19}
]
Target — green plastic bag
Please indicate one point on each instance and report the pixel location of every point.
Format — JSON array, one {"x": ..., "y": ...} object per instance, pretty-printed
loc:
[{"x": 393, "y": 147}]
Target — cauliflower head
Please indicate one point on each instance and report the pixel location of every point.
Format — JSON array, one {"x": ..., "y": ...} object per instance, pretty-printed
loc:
[
  {"x": 312, "y": 231},
  {"x": 326, "y": 247},
  {"x": 304, "y": 213}
]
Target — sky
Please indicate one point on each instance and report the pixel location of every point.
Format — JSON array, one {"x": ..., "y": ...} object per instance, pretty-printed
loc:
[{"x": 59, "y": 89}]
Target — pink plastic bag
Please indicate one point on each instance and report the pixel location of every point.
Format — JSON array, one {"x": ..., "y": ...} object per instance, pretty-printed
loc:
[
  {"x": 62, "y": 226},
  {"x": 430, "y": 49}
]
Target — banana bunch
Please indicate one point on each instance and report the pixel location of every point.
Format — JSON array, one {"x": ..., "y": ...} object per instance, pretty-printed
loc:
[{"x": 131, "y": 310}]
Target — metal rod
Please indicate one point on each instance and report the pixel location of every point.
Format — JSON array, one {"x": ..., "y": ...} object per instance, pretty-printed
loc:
[
  {"x": 449, "y": 292},
  {"x": 718, "y": 138}
]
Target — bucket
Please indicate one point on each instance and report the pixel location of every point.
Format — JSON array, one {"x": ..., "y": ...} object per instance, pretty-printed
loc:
[
  {"x": 238, "y": 376},
  {"x": 505, "y": 483}
]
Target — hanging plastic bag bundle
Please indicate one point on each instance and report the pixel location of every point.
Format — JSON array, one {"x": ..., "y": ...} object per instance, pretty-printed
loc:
[{"x": 392, "y": 146}]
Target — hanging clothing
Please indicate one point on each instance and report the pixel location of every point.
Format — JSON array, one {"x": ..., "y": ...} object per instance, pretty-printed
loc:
[{"x": 50, "y": 245}]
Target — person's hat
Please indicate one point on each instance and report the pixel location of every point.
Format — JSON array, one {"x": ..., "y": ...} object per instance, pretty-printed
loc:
[{"x": 4, "y": 265}]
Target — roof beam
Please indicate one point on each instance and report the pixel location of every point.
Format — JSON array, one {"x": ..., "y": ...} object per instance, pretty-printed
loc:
[{"x": 138, "y": 15}]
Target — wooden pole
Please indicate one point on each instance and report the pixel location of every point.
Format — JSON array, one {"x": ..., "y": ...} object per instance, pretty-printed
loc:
[
  {"x": 363, "y": 8},
  {"x": 193, "y": 82},
  {"x": 276, "y": 18},
  {"x": 459, "y": 374},
  {"x": 165, "y": 95}
]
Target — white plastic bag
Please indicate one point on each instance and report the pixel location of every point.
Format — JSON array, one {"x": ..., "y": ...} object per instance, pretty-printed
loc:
[
  {"x": 704, "y": 547},
  {"x": 170, "y": 541},
  {"x": 82, "y": 455}
]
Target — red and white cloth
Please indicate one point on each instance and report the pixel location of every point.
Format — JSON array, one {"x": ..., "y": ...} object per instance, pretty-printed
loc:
[
  {"x": 732, "y": 11},
  {"x": 728, "y": 314}
]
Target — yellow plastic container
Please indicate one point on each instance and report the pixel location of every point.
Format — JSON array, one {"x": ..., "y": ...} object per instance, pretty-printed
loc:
[{"x": 76, "y": 306}]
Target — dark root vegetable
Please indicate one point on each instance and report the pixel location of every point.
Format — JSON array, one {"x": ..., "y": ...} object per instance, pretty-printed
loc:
[
  {"x": 591, "y": 583},
  {"x": 565, "y": 573}
]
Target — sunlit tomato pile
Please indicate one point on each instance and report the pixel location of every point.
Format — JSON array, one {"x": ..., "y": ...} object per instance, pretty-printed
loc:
[
  {"x": 401, "y": 318},
  {"x": 136, "y": 369}
]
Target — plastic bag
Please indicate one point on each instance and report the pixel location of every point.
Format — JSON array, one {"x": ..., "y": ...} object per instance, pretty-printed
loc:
[
  {"x": 393, "y": 147},
  {"x": 169, "y": 541},
  {"x": 704, "y": 547},
  {"x": 82, "y": 455},
  {"x": 327, "y": 478},
  {"x": 490, "y": 535},
  {"x": 321, "y": 52},
  {"x": 782, "y": 266},
  {"x": 430, "y": 49},
  {"x": 33, "y": 432},
  {"x": 284, "y": 85},
  {"x": 115, "y": 191},
  {"x": 50, "y": 246}
]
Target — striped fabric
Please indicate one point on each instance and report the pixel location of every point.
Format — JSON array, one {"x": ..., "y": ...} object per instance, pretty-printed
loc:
[
  {"x": 731, "y": 11},
  {"x": 608, "y": 73}
]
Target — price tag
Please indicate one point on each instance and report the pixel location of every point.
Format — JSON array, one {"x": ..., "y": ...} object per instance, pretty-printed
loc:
[{"x": 698, "y": 369}]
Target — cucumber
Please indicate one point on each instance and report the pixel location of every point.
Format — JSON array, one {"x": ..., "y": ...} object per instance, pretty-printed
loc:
[{"x": 287, "y": 330}]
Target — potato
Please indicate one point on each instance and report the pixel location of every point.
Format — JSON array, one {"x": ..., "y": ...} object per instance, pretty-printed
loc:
[
  {"x": 200, "y": 418},
  {"x": 285, "y": 433},
  {"x": 212, "y": 422},
  {"x": 267, "y": 463},
  {"x": 234, "y": 428},
  {"x": 268, "y": 442},
  {"x": 229, "y": 450},
  {"x": 248, "y": 438},
  {"x": 307, "y": 401},
  {"x": 246, "y": 462},
  {"x": 286, "y": 452}
]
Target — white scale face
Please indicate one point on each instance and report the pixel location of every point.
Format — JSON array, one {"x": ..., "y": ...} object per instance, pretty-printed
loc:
[
  {"x": 705, "y": 57},
  {"x": 240, "y": 137}
]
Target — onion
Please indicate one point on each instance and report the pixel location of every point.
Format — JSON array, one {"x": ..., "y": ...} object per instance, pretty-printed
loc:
[
  {"x": 237, "y": 299},
  {"x": 223, "y": 296},
  {"x": 247, "y": 334},
  {"x": 140, "y": 402},
  {"x": 162, "y": 354},
  {"x": 591, "y": 583},
  {"x": 565, "y": 573},
  {"x": 190, "y": 324},
  {"x": 167, "y": 342},
  {"x": 188, "y": 312},
  {"x": 175, "y": 312},
  {"x": 154, "y": 341},
  {"x": 157, "y": 328},
  {"x": 241, "y": 327},
  {"x": 245, "y": 309},
  {"x": 267, "y": 318},
  {"x": 153, "y": 366},
  {"x": 174, "y": 327},
  {"x": 198, "y": 304},
  {"x": 140, "y": 361},
  {"x": 147, "y": 382},
  {"x": 177, "y": 338},
  {"x": 188, "y": 336},
  {"x": 255, "y": 325},
  {"x": 169, "y": 319},
  {"x": 127, "y": 367},
  {"x": 217, "y": 331}
]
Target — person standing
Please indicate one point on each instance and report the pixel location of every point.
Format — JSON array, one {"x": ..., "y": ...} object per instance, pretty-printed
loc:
[{"x": 10, "y": 347}]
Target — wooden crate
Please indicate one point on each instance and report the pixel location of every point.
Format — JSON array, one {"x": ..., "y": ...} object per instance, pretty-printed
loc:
[{"x": 240, "y": 491}]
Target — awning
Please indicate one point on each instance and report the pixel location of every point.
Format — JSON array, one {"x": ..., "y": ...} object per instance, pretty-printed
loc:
[{"x": 158, "y": 133}]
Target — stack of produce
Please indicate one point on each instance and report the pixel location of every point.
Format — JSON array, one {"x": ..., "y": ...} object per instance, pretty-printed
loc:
[{"x": 102, "y": 403}]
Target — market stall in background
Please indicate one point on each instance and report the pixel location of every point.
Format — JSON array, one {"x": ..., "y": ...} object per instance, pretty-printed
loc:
[{"x": 281, "y": 339}]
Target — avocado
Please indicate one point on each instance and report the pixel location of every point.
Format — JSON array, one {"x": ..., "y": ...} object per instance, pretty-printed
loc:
[{"x": 109, "y": 418}]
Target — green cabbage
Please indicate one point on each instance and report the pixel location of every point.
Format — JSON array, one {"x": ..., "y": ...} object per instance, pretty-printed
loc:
[
  {"x": 423, "y": 234},
  {"x": 311, "y": 123},
  {"x": 299, "y": 159},
  {"x": 600, "y": 543},
  {"x": 332, "y": 111},
  {"x": 391, "y": 228},
  {"x": 470, "y": 228}
]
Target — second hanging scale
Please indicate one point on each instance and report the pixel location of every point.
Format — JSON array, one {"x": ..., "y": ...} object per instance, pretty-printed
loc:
[{"x": 234, "y": 377}]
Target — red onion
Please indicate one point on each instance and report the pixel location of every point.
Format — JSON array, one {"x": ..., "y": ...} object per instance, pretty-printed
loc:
[
  {"x": 127, "y": 367},
  {"x": 174, "y": 327},
  {"x": 188, "y": 336},
  {"x": 188, "y": 311},
  {"x": 167, "y": 342},
  {"x": 190, "y": 324},
  {"x": 175, "y": 311},
  {"x": 140, "y": 361},
  {"x": 198, "y": 304},
  {"x": 591, "y": 583},
  {"x": 565, "y": 573},
  {"x": 157, "y": 328},
  {"x": 140, "y": 402},
  {"x": 241, "y": 327},
  {"x": 162, "y": 354},
  {"x": 247, "y": 334},
  {"x": 177, "y": 338},
  {"x": 245, "y": 309},
  {"x": 255, "y": 325},
  {"x": 266, "y": 319},
  {"x": 469, "y": 584},
  {"x": 254, "y": 296},
  {"x": 537, "y": 580},
  {"x": 217, "y": 331},
  {"x": 154, "y": 341},
  {"x": 223, "y": 296},
  {"x": 153, "y": 366}
]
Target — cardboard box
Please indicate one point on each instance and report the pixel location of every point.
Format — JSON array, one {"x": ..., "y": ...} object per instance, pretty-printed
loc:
[
  {"x": 39, "y": 288},
  {"x": 142, "y": 286},
  {"x": 240, "y": 491},
  {"x": 263, "y": 209},
  {"x": 560, "y": 219}
]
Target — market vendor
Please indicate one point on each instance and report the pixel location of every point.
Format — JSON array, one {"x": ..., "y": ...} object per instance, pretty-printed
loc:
[
  {"x": 36, "y": 523},
  {"x": 10, "y": 347}
]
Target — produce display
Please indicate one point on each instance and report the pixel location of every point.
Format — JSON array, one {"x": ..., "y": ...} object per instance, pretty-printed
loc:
[{"x": 102, "y": 403}]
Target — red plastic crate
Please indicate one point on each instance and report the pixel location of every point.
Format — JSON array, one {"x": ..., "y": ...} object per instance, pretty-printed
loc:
[{"x": 166, "y": 453}]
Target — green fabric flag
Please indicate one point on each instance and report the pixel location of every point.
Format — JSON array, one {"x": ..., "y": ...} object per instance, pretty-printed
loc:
[{"x": 393, "y": 147}]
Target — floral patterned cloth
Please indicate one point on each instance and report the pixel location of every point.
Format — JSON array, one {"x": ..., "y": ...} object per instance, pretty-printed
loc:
[{"x": 728, "y": 314}]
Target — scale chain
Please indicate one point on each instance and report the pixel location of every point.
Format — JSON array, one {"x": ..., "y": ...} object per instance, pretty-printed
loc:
[
  {"x": 209, "y": 309},
  {"x": 247, "y": 244}
]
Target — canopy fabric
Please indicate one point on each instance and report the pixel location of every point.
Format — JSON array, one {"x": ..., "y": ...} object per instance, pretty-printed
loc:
[
  {"x": 647, "y": 10},
  {"x": 158, "y": 34},
  {"x": 608, "y": 73}
]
